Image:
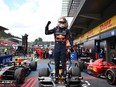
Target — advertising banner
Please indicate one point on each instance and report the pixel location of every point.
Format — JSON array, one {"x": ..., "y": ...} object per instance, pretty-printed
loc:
[{"x": 5, "y": 59}]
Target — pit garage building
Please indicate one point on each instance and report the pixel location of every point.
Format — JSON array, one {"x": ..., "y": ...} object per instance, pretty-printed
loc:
[{"x": 93, "y": 25}]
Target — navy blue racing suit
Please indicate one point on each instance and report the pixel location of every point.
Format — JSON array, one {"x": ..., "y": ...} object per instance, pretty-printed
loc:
[{"x": 61, "y": 35}]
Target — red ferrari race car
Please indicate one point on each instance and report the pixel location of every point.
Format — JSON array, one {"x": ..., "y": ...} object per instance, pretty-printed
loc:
[{"x": 102, "y": 68}]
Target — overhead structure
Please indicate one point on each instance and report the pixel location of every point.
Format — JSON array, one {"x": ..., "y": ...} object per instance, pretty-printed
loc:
[
  {"x": 87, "y": 14},
  {"x": 94, "y": 26}
]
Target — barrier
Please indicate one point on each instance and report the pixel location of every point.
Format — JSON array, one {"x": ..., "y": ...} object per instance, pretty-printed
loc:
[{"x": 5, "y": 59}]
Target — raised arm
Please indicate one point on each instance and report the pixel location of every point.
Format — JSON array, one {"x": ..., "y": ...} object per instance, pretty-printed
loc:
[{"x": 47, "y": 31}]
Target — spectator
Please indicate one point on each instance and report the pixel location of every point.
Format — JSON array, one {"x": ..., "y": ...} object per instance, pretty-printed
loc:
[
  {"x": 50, "y": 53},
  {"x": 44, "y": 53},
  {"x": 35, "y": 54},
  {"x": 5, "y": 51},
  {"x": 113, "y": 56},
  {"x": 101, "y": 54},
  {"x": 86, "y": 52},
  {"x": 68, "y": 55}
]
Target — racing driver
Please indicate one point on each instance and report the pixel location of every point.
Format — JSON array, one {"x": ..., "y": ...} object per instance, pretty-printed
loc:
[{"x": 61, "y": 35}]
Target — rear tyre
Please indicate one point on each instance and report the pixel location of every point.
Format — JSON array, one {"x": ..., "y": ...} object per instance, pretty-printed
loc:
[
  {"x": 76, "y": 71},
  {"x": 27, "y": 69},
  {"x": 33, "y": 66},
  {"x": 85, "y": 66},
  {"x": 111, "y": 76},
  {"x": 20, "y": 75},
  {"x": 44, "y": 72},
  {"x": 80, "y": 64}
]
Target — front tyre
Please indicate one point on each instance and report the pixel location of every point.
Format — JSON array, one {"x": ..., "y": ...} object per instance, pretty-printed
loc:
[
  {"x": 33, "y": 66},
  {"x": 76, "y": 71},
  {"x": 20, "y": 75},
  {"x": 111, "y": 76},
  {"x": 44, "y": 72}
]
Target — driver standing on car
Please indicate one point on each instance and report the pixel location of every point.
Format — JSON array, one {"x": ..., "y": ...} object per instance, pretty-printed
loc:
[{"x": 61, "y": 35}]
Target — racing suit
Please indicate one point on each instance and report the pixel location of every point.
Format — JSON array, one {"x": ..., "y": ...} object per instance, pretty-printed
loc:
[{"x": 61, "y": 35}]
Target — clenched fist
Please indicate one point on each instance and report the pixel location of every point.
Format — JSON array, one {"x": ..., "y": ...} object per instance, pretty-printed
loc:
[{"x": 49, "y": 22}]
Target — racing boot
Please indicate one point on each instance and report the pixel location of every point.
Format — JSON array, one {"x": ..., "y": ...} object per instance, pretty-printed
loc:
[
  {"x": 63, "y": 78},
  {"x": 56, "y": 80}
]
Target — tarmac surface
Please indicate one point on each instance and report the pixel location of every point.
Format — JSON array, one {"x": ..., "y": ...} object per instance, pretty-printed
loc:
[{"x": 88, "y": 80}]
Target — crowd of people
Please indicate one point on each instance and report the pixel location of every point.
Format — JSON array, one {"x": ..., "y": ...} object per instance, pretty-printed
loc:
[
  {"x": 43, "y": 53},
  {"x": 48, "y": 53}
]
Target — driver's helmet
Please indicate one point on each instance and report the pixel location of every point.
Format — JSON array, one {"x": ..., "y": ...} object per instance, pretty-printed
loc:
[
  {"x": 18, "y": 60},
  {"x": 62, "y": 22}
]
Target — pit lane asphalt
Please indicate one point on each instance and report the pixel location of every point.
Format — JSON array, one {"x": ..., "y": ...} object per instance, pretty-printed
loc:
[{"x": 88, "y": 81}]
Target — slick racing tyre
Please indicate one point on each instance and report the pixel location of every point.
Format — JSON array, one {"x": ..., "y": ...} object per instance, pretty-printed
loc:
[
  {"x": 33, "y": 66},
  {"x": 27, "y": 69},
  {"x": 80, "y": 64},
  {"x": 20, "y": 75},
  {"x": 44, "y": 72},
  {"x": 111, "y": 76},
  {"x": 75, "y": 71}
]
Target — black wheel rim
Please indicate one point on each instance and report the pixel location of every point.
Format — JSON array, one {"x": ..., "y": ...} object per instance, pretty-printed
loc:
[{"x": 110, "y": 77}]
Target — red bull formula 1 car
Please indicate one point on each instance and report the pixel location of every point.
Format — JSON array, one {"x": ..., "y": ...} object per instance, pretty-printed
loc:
[
  {"x": 102, "y": 68},
  {"x": 47, "y": 77}
]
